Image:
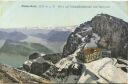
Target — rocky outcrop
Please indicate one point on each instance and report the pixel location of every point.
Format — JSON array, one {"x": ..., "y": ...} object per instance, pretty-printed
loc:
[
  {"x": 40, "y": 63},
  {"x": 70, "y": 70},
  {"x": 113, "y": 34},
  {"x": 10, "y": 74}
]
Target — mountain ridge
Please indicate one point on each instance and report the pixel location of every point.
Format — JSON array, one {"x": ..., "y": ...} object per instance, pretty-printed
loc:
[
  {"x": 96, "y": 52},
  {"x": 94, "y": 42}
]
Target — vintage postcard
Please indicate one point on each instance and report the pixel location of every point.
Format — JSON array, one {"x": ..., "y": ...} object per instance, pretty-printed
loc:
[{"x": 63, "y": 42}]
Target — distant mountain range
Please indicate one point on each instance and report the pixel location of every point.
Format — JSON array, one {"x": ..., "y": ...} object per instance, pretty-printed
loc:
[
  {"x": 54, "y": 35},
  {"x": 16, "y": 36},
  {"x": 47, "y": 37}
]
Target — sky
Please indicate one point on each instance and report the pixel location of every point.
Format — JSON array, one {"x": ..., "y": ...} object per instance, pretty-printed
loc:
[{"x": 56, "y": 14}]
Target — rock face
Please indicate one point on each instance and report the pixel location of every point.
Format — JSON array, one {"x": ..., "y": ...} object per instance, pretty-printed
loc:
[
  {"x": 40, "y": 63},
  {"x": 96, "y": 52},
  {"x": 113, "y": 34}
]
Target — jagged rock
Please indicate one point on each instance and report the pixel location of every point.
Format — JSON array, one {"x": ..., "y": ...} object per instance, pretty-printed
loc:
[
  {"x": 66, "y": 75},
  {"x": 39, "y": 68},
  {"x": 34, "y": 56},
  {"x": 54, "y": 58},
  {"x": 25, "y": 67},
  {"x": 38, "y": 64},
  {"x": 113, "y": 34},
  {"x": 9, "y": 74}
]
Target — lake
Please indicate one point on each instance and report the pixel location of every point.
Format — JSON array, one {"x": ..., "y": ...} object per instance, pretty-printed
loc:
[{"x": 13, "y": 60}]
